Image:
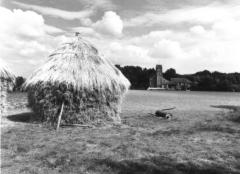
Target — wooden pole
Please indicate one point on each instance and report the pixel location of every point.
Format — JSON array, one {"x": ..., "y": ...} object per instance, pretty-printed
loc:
[
  {"x": 168, "y": 109},
  {"x": 60, "y": 116}
]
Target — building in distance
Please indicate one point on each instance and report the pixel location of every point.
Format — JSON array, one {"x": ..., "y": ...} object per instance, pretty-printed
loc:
[{"x": 158, "y": 82}]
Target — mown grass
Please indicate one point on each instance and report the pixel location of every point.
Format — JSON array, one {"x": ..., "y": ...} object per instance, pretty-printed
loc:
[
  {"x": 234, "y": 114},
  {"x": 142, "y": 144}
]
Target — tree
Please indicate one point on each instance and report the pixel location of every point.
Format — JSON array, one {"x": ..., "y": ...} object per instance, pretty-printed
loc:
[
  {"x": 19, "y": 82},
  {"x": 138, "y": 77},
  {"x": 201, "y": 81},
  {"x": 170, "y": 73}
]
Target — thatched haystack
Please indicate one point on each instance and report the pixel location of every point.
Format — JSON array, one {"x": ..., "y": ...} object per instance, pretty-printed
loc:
[
  {"x": 7, "y": 80},
  {"x": 89, "y": 86}
]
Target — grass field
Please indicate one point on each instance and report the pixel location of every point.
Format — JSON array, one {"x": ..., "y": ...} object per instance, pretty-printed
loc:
[{"x": 199, "y": 139}]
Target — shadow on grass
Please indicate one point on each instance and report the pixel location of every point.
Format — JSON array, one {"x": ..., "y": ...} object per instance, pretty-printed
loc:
[
  {"x": 27, "y": 117},
  {"x": 234, "y": 114},
  {"x": 157, "y": 165}
]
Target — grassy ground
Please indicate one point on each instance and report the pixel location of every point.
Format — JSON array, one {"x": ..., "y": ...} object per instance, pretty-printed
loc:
[{"x": 142, "y": 144}]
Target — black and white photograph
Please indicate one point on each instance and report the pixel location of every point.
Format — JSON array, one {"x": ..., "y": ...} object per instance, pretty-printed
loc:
[{"x": 120, "y": 86}]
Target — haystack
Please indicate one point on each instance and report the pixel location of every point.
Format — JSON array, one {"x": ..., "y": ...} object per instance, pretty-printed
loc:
[
  {"x": 6, "y": 82},
  {"x": 76, "y": 78}
]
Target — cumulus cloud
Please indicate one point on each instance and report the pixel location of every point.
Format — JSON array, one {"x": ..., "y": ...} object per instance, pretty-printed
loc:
[
  {"x": 166, "y": 49},
  {"x": 198, "y": 29},
  {"x": 27, "y": 23},
  {"x": 128, "y": 54},
  {"x": 123, "y": 52},
  {"x": 110, "y": 24},
  {"x": 24, "y": 39},
  {"x": 209, "y": 43},
  {"x": 53, "y": 30},
  {"x": 210, "y": 40}
]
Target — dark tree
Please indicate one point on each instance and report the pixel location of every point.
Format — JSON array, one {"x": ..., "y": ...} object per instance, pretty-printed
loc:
[
  {"x": 170, "y": 73},
  {"x": 18, "y": 84},
  {"x": 138, "y": 77},
  {"x": 201, "y": 81}
]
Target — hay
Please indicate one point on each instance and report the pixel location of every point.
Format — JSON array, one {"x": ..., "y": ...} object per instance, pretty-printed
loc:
[
  {"x": 6, "y": 82},
  {"x": 89, "y": 85},
  {"x": 3, "y": 96},
  {"x": 6, "y": 74}
]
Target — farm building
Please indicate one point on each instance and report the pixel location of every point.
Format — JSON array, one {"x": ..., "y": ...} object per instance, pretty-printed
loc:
[
  {"x": 180, "y": 84},
  {"x": 87, "y": 86},
  {"x": 6, "y": 82}
]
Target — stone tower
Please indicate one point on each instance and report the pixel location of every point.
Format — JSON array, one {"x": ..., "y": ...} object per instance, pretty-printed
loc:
[{"x": 159, "y": 75}]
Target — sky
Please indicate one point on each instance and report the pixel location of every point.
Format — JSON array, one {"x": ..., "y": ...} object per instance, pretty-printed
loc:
[{"x": 188, "y": 35}]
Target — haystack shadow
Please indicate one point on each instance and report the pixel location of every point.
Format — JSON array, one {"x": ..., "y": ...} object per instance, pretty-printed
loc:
[{"x": 26, "y": 117}]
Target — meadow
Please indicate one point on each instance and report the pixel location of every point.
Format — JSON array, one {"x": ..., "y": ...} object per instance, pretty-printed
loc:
[{"x": 202, "y": 137}]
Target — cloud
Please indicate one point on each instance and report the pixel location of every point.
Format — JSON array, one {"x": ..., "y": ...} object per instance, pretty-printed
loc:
[
  {"x": 151, "y": 38},
  {"x": 210, "y": 40},
  {"x": 57, "y": 13},
  {"x": 191, "y": 50},
  {"x": 25, "y": 41},
  {"x": 53, "y": 30},
  {"x": 26, "y": 24},
  {"x": 110, "y": 24},
  {"x": 85, "y": 31},
  {"x": 228, "y": 29},
  {"x": 198, "y": 29},
  {"x": 128, "y": 54},
  {"x": 105, "y": 5},
  {"x": 195, "y": 15},
  {"x": 166, "y": 49}
]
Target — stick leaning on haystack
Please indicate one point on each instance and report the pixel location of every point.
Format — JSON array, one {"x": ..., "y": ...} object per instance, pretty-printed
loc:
[{"x": 60, "y": 116}]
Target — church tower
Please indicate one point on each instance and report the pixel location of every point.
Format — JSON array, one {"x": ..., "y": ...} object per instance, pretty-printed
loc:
[{"x": 159, "y": 75}]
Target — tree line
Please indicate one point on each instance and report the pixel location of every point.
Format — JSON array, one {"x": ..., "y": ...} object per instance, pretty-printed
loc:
[{"x": 201, "y": 81}]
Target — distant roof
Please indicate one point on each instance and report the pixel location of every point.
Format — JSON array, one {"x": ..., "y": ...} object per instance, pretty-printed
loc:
[{"x": 180, "y": 80}]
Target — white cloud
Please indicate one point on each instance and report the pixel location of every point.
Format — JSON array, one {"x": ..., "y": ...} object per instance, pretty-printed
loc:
[
  {"x": 58, "y": 13},
  {"x": 128, "y": 54},
  {"x": 99, "y": 4},
  {"x": 53, "y": 30},
  {"x": 27, "y": 24},
  {"x": 198, "y": 15},
  {"x": 24, "y": 39},
  {"x": 110, "y": 24},
  {"x": 166, "y": 49},
  {"x": 86, "y": 31},
  {"x": 151, "y": 38},
  {"x": 211, "y": 42},
  {"x": 228, "y": 29},
  {"x": 198, "y": 29}
]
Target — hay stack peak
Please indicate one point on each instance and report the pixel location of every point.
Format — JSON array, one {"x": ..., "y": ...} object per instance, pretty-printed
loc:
[
  {"x": 78, "y": 63},
  {"x": 89, "y": 85},
  {"x": 5, "y": 72}
]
